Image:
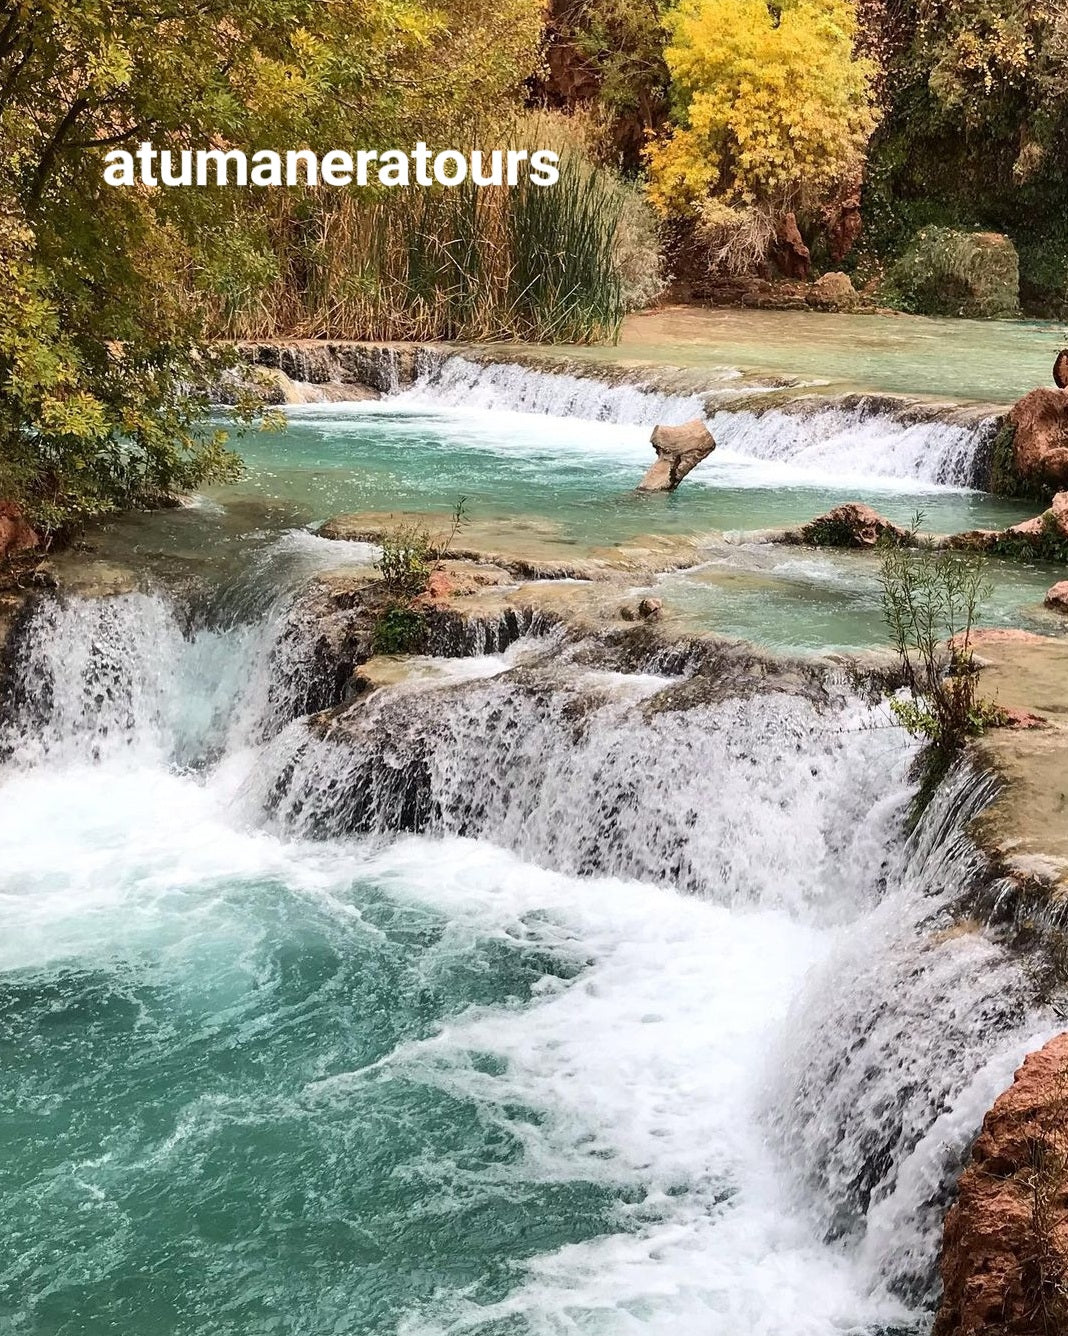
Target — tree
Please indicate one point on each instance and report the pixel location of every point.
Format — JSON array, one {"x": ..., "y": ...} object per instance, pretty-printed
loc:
[
  {"x": 772, "y": 113},
  {"x": 103, "y": 364}
]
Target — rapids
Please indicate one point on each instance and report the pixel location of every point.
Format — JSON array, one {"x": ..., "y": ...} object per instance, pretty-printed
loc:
[{"x": 524, "y": 997}]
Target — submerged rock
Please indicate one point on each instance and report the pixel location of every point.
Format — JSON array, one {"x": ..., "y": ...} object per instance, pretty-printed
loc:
[
  {"x": 1005, "y": 1250},
  {"x": 851, "y": 525},
  {"x": 679, "y": 450}
]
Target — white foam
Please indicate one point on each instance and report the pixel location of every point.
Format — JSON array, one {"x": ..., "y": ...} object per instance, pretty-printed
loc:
[{"x": 830, "y": 444}]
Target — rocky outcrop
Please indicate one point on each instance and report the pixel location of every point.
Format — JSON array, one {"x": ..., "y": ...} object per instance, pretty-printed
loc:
[
  {"x": 311, "y": 371},
  {"x": 1005, "y": 1248},
  {"x": 789, "y": 254},
  {"x": 843, "y": 223},
  {"x": 851, "y": 525},
  {"x": 16, "y": 535},
  {"x": 1044, "y": 537},
  {"x": 1039, "y": 441},
  {"x": 833, "y": 292},
  {"x": 1057, "y": 597},
  {"x": 678, "y": 451}
]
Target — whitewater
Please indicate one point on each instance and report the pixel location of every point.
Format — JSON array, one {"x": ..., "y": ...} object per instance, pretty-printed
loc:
[{"x": 519, "y": 997}]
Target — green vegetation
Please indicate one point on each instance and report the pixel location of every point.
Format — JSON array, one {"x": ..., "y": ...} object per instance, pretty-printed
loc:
[
  {"x": 938, "y": 123},
  {"x": 1051, "y": 544},
  {"x": 973, "y": 132},
  {"x": 411, "y": 553},
  {"x": 930, "y": 601},
  {"x": 109, "y": 298},
  {"x": 463, "y": 263},
  {"x": 946, "y": 272}
]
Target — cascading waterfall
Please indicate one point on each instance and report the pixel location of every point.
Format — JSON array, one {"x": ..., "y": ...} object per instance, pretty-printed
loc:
[
  {"x": 851, "y": 438},
  {"x": 530, "y": 998}
]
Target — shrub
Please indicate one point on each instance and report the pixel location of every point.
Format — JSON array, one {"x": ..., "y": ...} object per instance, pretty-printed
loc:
[
  {"x": 773, "y": 112},
  {"x": 410, "y": 555},
  {"x": 954, "y": 273},
  {"x": 930, "y": 601},
  {"x": 559, "y": 265}
]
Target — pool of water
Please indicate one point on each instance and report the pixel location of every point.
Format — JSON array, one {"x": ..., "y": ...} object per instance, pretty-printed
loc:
[
  {"x": 577, "y": 476},
  {"x": 566, "y": 485},
  {"x": 989, "y": 361},
  {"x": 795, "y": 599}
]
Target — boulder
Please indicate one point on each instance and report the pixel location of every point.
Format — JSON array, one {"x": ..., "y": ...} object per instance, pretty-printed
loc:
[
  {"x": 678, "y": 451},
  {"x": 1040, "y": 440},
  {"x": 789, "y": 253},
  {"x": 1057, "y": 597},
  {"x": 948, "y": 272},
  {"x": 16, "y": 535},
  {"x": 1005, "y": 1244},
  {"x": 833, "y": 292},
  {"x": 851, "y": 525},
  {"x": 651, "y": 609},
  {"x": 1060, "y": 370}
]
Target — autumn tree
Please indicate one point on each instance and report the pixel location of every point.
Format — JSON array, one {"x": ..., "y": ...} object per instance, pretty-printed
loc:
[
  {"x": 102, "y": 360},
  {"x": 772, "y": 112}
]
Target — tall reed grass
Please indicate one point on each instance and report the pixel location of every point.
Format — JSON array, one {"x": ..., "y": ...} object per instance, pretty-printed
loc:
[{"x": 529, "y": 262}]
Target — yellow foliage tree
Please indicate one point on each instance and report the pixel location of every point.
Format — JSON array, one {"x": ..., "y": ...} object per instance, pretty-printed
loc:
[{"x": 773, "y": 108}]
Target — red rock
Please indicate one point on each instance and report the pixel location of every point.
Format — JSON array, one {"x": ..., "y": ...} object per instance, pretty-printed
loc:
[
  {"x": 440, "y": 585},
  {"x": 1059, "y": 511},
  {"x": 1028, "y": 528},
  {"x": 1005, "y": 635},
  {"x": 1057, "y": 597},
  {"x": 789, "y": 252},
  {"x": 1040, "y": 445},
  {"x": 1011, "y": 1212},
  {"x": 1060, "y": 370},
  {"x": 678, "y": 451},
  {"x": 1014, "y": 718},
  {"x": 844, "y": 225},
  {"x": 15, "y": 534},
  {"x": 851, "y": 525}
]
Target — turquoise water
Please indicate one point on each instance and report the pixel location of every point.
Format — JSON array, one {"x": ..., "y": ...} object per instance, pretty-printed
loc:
[
  {"x": 576, "y": 476},
  {"x": 196, "y": 1138},
  {"x": 564, "y": 486},
  {"x": 791, "y": 599},
  {"x": 989, "y": 361}
]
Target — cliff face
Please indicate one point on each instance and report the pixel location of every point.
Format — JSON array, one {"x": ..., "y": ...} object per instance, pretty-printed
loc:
[{"x": 1005, "y": 1249}]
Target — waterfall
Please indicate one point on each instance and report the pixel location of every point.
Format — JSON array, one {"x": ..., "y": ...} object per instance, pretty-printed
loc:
[
  {"x": 673, "y": 953},
  {"x": 853, "y": 436}
]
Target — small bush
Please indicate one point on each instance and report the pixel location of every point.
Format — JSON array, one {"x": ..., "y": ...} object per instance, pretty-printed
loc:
[
  {"x": 410, "y": 555},
  {"x": 401, "y": 629},
  {"x": 930, "y": 602},
  {"x": 407, "y": 561}
]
